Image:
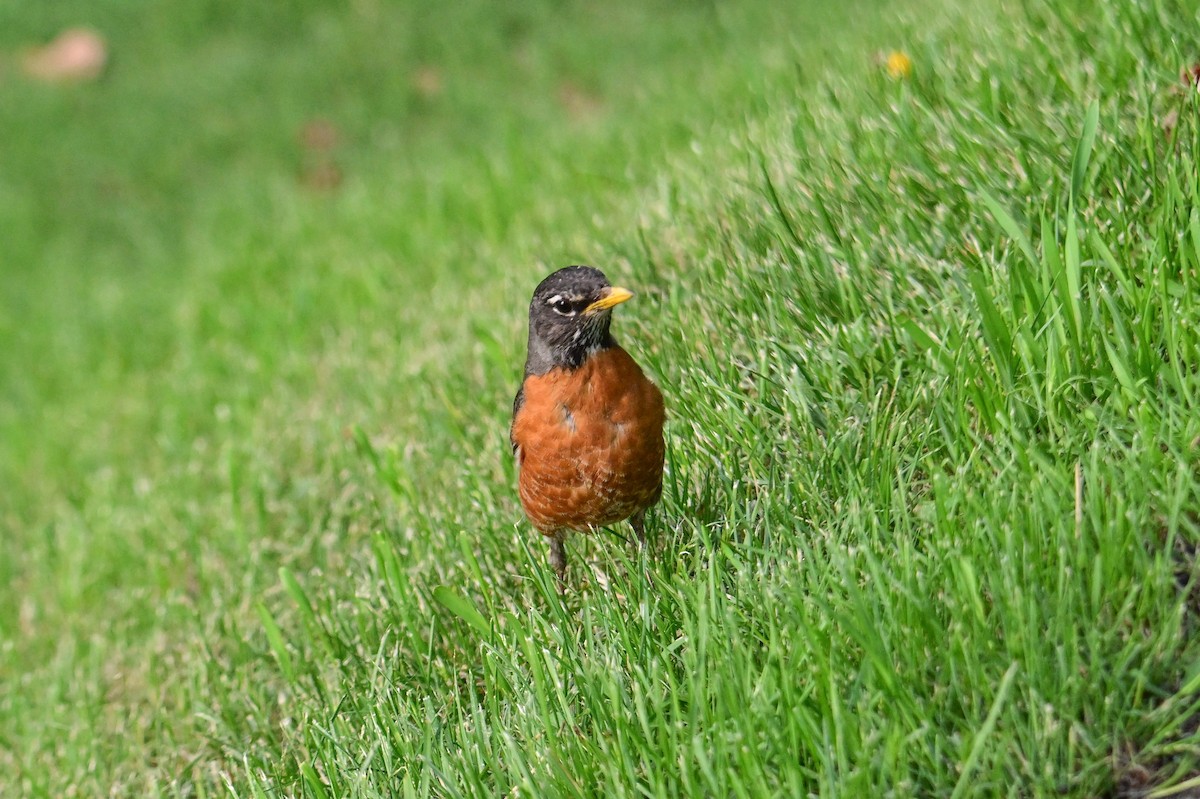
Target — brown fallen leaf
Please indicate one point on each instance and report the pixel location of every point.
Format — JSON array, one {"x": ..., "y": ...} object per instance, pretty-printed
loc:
[
  {"x": 1189, "y": 82},
  {"x": 1191, "y": 76},
  {"x": 579, "y": 103},
  {"x": 76, "y": 54},
  {"x": 319, "y": 135},
  {"x": 322, "y": 176},
  {"x": 428, "y": 82}
]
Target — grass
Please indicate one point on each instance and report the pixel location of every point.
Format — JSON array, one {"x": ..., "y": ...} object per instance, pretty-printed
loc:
[{"x": 928, "y": 343}]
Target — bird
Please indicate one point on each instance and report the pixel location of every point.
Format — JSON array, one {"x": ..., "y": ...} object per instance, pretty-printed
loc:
[{"x": 587, "y": 424}]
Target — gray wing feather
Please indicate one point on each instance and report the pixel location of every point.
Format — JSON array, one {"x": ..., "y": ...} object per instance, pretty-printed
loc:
[{"x": 518, "y": 401}]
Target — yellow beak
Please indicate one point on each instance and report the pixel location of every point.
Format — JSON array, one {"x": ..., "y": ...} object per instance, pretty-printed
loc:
[{"x": 615, "y": 296}]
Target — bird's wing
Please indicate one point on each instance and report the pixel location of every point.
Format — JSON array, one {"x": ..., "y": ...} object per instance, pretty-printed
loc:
[{"x": 518, "y": 401}]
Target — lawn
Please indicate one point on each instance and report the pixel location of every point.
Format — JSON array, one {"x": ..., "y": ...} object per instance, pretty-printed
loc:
[{"x": 927, "y": 327}]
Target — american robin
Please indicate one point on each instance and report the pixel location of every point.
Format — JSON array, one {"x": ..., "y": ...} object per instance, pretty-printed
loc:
[{"x": 587, "y": 426}]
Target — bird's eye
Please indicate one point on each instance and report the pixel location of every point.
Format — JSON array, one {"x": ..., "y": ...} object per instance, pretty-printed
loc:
[{"x": 563, "y": 307}]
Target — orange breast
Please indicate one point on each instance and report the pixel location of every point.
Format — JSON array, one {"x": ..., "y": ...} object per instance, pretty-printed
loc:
[{"x": 591, "y": 443}]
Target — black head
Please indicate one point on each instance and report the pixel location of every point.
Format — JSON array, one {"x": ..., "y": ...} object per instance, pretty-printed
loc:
[{"x": 569, "y": 317}]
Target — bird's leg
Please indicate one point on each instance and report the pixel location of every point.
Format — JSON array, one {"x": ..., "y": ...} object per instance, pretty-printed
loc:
[
  {"x": 638, "y": 522},
  {"x": 558, "y": 559}
]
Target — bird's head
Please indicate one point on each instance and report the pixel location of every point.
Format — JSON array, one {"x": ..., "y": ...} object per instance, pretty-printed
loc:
[{"x": 569, "y": 318}]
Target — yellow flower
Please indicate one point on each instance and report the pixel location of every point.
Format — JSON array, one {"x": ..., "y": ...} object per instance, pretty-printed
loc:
[{"x": 898, "y": 65}]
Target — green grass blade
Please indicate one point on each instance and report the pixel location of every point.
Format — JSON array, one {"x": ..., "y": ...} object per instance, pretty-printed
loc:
[
  {"x": 294, "y": 590},
  {"x": 462, "y": 607},
  {"x": 313, "y": 781},
  {"x": 276, "y": 641},
  {"x": 1083, "y": 151},
  {"x": 995, "y": 332},
  {"x": 1073, "y": 271},
  {"x": 1009, "y": 225},
  {"x": 967, "y": 772}
]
